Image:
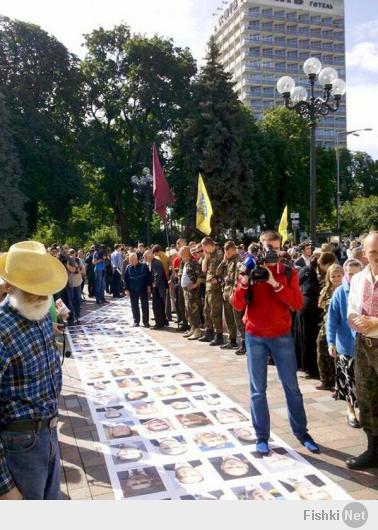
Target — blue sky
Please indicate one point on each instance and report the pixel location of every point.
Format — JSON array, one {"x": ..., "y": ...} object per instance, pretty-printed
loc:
[{"x": 190, "y": 23}]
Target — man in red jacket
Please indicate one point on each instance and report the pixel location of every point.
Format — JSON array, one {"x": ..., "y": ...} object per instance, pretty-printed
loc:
[{"x": 267, "y": 321}]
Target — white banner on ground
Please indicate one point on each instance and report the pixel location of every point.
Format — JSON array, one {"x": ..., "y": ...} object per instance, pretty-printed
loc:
[{"x": 167, "y": 433}]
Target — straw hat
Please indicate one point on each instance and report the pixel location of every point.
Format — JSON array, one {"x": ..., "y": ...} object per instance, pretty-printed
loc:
[{"x": 29, "y": 267}]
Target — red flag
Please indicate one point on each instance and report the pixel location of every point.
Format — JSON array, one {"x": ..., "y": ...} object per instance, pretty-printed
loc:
[{"x": 162, "y": 193}]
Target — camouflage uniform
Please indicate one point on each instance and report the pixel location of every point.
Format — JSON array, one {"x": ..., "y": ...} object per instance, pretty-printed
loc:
[
  {"x": 213, "y": 296},
  {"x": 326, "y": 363},
  {"x": 193, "y": 296},
  {"x": 229, "y": 272},
  {"x": 366, "y": 369}
]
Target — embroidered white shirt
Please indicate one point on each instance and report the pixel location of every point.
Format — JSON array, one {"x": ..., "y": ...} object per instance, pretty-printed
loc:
[{"x": 359, "y": 299}]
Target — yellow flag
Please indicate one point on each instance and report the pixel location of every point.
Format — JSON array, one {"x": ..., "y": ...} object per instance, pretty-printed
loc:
[
  {"x": 204, "y": 209},
  {"x": 282, "y": 229}
]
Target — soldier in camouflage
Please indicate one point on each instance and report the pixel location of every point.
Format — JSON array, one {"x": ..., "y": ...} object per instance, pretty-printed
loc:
[
  {"x": 228, "y": 270},
  {"x": 191, "y": 279},
  {"x": 213, "y": 296}
]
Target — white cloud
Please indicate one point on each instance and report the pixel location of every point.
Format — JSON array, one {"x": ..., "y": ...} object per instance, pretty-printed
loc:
[
  {"x": 188, "y": 22},
  {"x": 367, "y": 30},
  {"x": 363, "y": 113},
  {"x": 363, "y": 55}
]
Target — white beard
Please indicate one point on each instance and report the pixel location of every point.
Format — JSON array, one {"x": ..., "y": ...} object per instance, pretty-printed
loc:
[{"x": 36, "y": 311}]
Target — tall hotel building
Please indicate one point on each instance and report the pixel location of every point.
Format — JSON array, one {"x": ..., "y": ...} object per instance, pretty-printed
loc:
[{"x": 262, "y": 40}]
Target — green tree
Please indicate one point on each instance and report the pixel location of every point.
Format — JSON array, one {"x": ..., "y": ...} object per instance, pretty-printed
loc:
[
  {"x": 212, "y": 141},
  {"x": 360, "y": 215},
  {"x": 41, "y": 84},
  {"x": 282, "y": 176},
  {"x": 12, "y": 200},
  {"x": 135, "y": 89}
]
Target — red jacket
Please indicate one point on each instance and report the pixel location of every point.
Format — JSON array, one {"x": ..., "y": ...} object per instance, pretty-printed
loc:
[{"x": 268, "y": 314}]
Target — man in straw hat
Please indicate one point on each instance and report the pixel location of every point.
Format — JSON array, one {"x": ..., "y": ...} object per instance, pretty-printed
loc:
[{"x": 30, "y": 374}]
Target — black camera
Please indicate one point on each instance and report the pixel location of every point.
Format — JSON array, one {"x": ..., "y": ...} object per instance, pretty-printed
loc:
[{"x": 253, "y": 266}]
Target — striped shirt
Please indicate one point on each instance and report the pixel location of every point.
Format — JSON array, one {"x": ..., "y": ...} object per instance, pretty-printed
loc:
[{"x": 30, "y": 374}]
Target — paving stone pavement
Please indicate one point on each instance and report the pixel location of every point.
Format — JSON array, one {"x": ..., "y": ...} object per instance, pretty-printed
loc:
[{"x": 84, "y": 472}]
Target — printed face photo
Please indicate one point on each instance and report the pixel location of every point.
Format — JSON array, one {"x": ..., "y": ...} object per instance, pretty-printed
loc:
[
  {"x": 191, "y": 420},
  {"x": 131, "y": 382},
  {"x": 136, "y": 482},
  {"x": 160, "y": 378},
  {"x": 234, "y": 466},
  {"x": 111, "y": 356},
  {"x": 183, "y": 376},
  {"x": 122, "y": 372},
  {"x": 210, "y": 496},
  {"x": 136, "y": 395},
  {"x": 174, "y": 445},
  {"x": 109, "y": 413},
  {"x": 277, "y": 459},
  {"x": 120, "y": 430},
  {"x": 146, "y": 408},
  {"x": 165, "y": 391},
  {"x": 128, "y": 453},
  {"x": 95, "y": 375},
  {"x": 186, "y": 473},
  {"x": 209, "y": 399},
  {"x": 244, "y": 435},
  {"x": 178, "y": 403},
  {"x": 258, "y": 492},
  {"x": 226, "y": 416},
  {"x": 99, "y": 385},
  {"x": 307, "y": 488},
  {"x": 210, "y": 440},
  {"x": 157, "y": 425},
  {"x": 198, "y": 387}
]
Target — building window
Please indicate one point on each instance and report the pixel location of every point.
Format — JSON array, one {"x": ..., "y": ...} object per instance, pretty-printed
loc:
[
  {"x": 254, "y": 11},
  {"x": 279, "y": 14},
  {"x": 267, "y": 52},
  {"x": 267, "y": 12},
  {"x": 316, "y": 20},
  {"x": 327, "y": 46},
  {"x": 255, "y": 91},
  {"x": 338, "y": 35},
  {"x": 292, "y": 68},
  {"x": 304, "y": 18},
  {"x": 293, "y": 43},
  {"x": 267, "y": 26},
  {"x": 304, "y": 44},
  {"x": 292, "y": 29},
  {"x": 327, "y": 21},
  {"x": 268, "y": 92},
  {"x": 292, "y": 17},
  {"x": 292, "y": 56},
  {"x": 281, "y": 67},
  {"x": 279, "y": 41},
  {"x": 280, "y": 53}
]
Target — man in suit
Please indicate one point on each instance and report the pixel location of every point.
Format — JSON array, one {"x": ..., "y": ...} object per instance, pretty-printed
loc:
[
  {"x": 138, "y": 286},
  {"x": 304, "y": 260},
  {"x": 159, "y": 288}
]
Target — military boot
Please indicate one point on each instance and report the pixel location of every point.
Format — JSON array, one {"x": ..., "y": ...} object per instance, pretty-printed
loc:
[
  {"x": 218, "y": 340},
  {"x": 197, "y": 334},
  {"x": 367, "y": 459},
  {"x": 230, "y": 345},
  {"x": 242, "y": 349},
  {"x": 208, "y": 337},
  {"x": 188, "y": 333}
]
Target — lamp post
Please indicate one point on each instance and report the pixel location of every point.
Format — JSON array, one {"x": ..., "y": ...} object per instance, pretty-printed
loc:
[
  {"x": 143, "y": 185},
  {"x": 310, "y": 109},
  {"x": 338, "y": 192}
]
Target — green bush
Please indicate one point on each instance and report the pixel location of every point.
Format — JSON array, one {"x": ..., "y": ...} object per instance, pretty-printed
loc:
[{"x": 107, "y": 235}]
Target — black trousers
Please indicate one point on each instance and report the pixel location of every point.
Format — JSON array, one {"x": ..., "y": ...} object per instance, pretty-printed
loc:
[
  {"x": 158, "y": 307},
  {"x": 116, "y": 284},
  {"x": 134, "y": 299},
  {"x": 91, "y": 285}
]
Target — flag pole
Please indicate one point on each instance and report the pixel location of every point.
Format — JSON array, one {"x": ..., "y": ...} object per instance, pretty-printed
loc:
[{"x": 166, "y": 230}]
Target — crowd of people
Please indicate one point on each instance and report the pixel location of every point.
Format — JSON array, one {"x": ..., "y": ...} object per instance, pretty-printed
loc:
[{"x": 298, "y": 307}]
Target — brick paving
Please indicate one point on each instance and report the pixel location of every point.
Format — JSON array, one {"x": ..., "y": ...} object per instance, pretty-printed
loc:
[{"x": 84, "y": 472}]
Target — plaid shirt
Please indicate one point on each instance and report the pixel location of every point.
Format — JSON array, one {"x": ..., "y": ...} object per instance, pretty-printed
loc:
[{"x": 30, "y": 375}]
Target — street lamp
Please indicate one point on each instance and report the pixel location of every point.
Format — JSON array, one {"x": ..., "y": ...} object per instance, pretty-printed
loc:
[
  {"x": 143, "y": 185},
  {"x": 310, "y": 109},
  {"x": 338, "y": 192}
]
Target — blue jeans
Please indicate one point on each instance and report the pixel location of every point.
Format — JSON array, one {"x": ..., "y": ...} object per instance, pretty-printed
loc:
[
  {"x": 34, "y": 463},
  {"x": 283, "y": 353},
  {"x": 76, "y": 301},
  {"x": 100, "y": 286}
]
